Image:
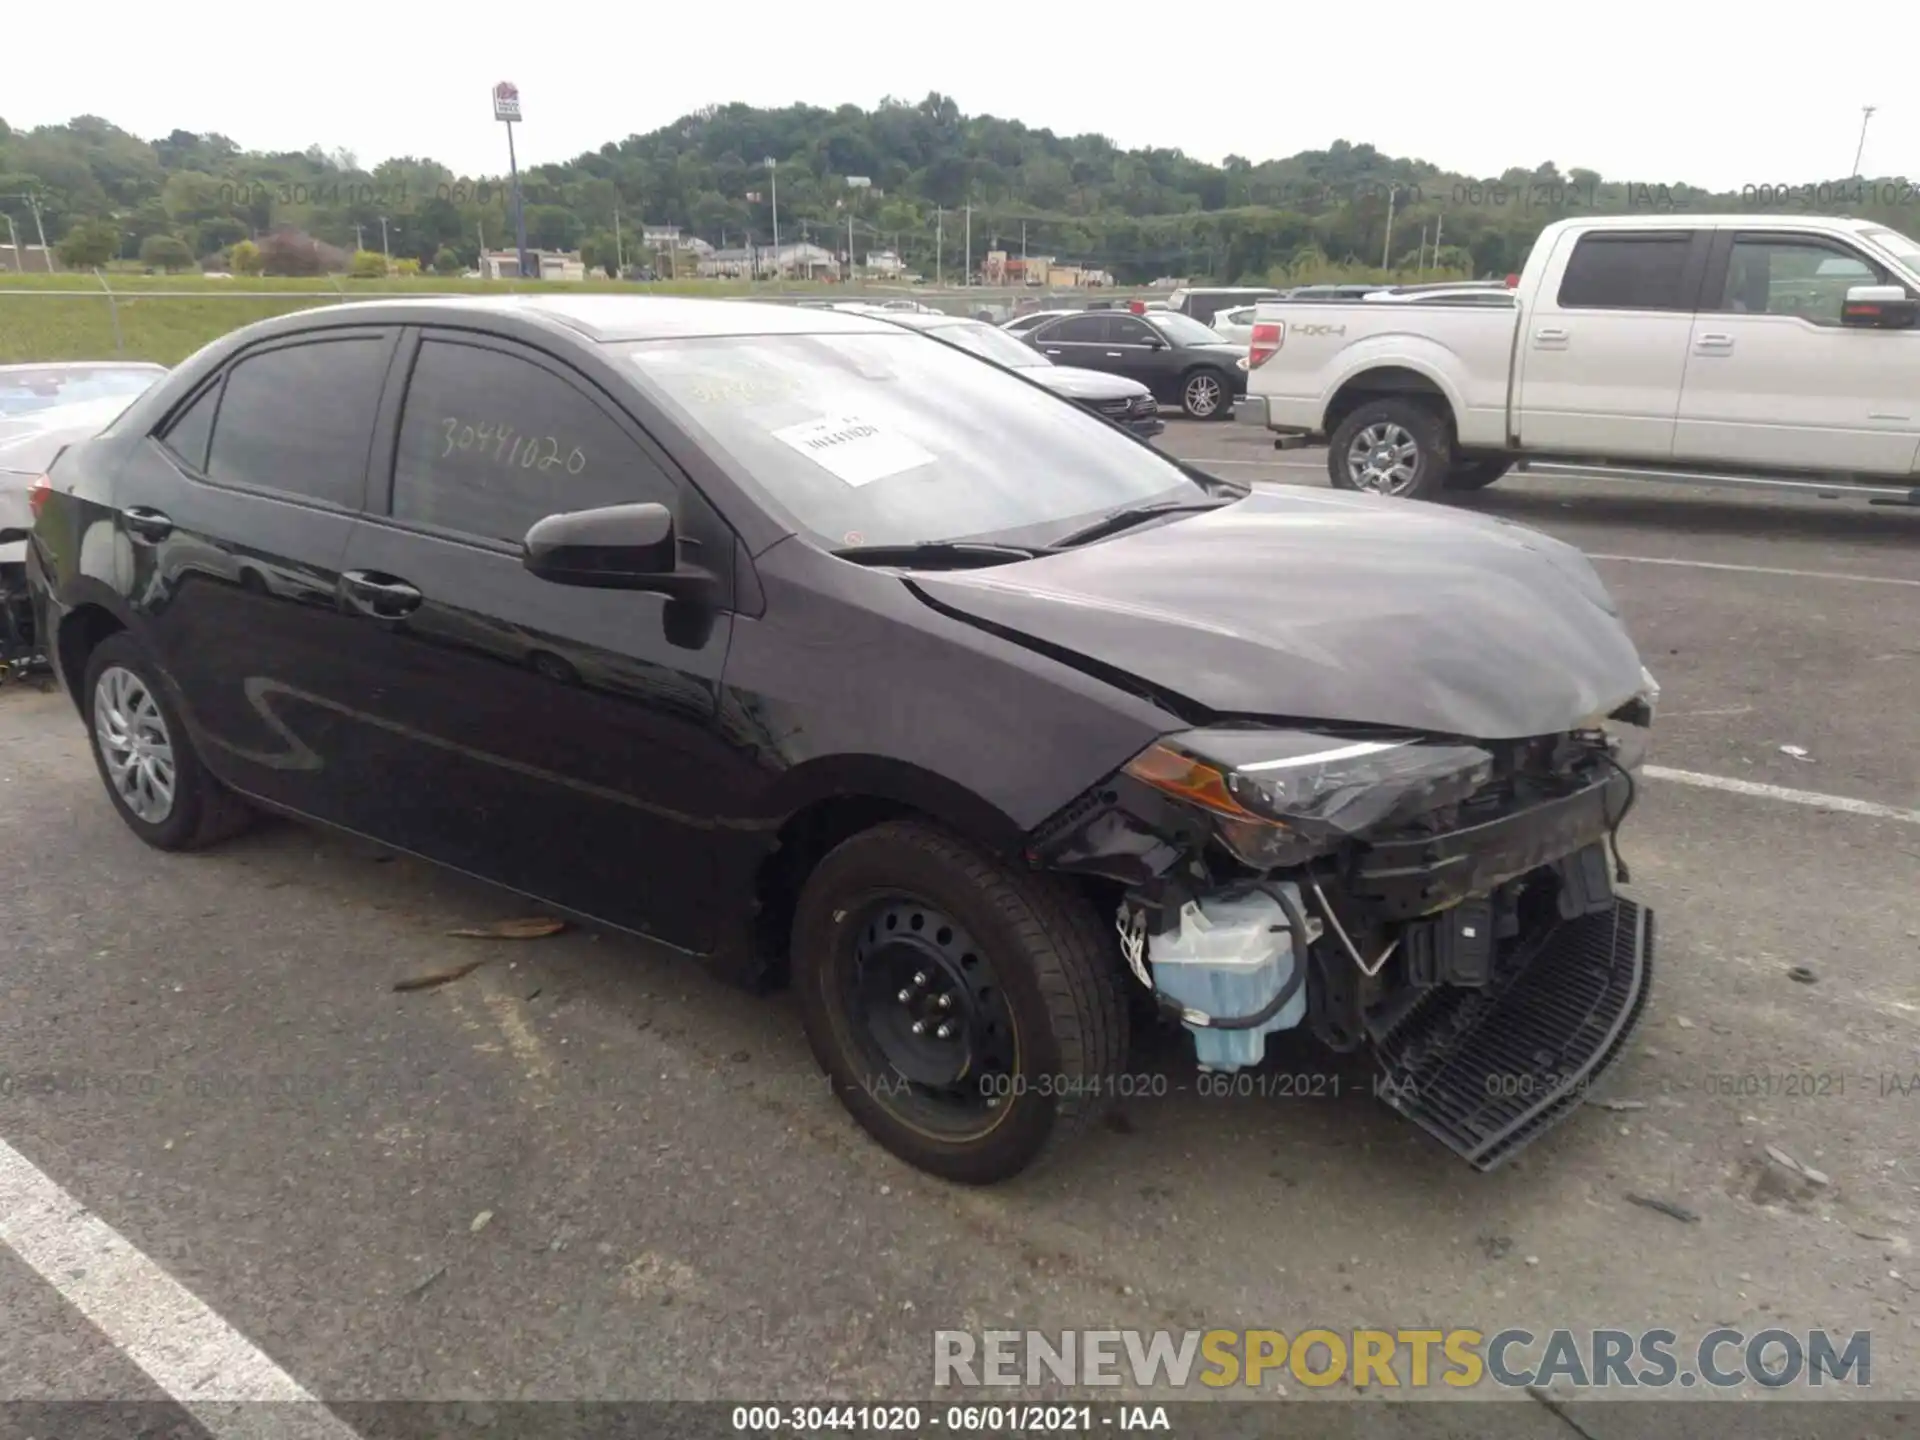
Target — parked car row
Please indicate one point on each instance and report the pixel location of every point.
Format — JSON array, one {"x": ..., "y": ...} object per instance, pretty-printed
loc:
[{"x": 825, "y": 651}]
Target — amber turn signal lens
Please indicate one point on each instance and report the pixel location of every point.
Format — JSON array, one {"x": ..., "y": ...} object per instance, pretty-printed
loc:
[{"x": 1188, "y": 779}]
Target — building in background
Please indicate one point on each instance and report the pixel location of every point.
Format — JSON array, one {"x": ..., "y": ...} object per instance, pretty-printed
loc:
[
  {"x": 27, "y": 260},
  {"x": 554, "y": 265},
  {"x": 884, "y": 265}
]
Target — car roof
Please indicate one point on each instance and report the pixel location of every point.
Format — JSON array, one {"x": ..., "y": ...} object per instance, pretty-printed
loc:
[{"x": 600, "y": 318}]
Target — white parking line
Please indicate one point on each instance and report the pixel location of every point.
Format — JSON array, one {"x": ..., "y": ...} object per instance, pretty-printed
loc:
[
  {"x": 1759, "y": 570},
  {"x": 1269, "y": 464},
  {"x": 1813, "y": 798},
  {"x": 203, "y": 1363}
]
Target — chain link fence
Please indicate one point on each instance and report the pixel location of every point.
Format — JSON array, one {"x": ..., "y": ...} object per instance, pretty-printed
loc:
[{"x": 106, "y": 317}]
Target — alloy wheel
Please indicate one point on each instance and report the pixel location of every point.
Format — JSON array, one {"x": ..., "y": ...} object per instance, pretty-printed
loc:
[
  {"x": 1384, "y": 458},
  {"x": 1203, "y": 396},
  {"x": 135, "y": 743}
]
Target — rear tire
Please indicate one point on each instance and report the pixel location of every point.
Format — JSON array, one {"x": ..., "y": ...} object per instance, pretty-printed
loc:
[
  {"x": 1391, "y": 447},
  {"x": 1017, "y": 963},
  {"x": 1476, "y": 474},
  {"x": 1206, "y": 395},
  {"x": 153, "y": 775}
]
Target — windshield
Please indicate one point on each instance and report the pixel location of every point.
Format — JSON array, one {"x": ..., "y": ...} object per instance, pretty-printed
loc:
[
  {"x": 28, "y": 391},
  {"x": 1182, "y": 329},
  {"x": 1897, "y": 244},
  {"x": 887, "y": 440},
  {"x": 990, "y": 342}
]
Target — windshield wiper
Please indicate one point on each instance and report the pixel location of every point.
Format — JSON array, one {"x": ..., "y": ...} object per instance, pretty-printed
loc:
[
  {"x": 930, "y": 553},
  {"x": 1131, "y": 515}
]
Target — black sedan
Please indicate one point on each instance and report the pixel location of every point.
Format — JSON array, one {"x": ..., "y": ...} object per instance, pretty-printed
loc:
[
  {"x": 1180, "y": 360},
  {"x": 798, "y": 643},
  {"x": 1126, "y": 402}
]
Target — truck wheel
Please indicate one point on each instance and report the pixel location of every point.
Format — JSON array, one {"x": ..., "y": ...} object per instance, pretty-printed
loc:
[
  {"x": 971, "y": 1016},
  {"x": 1205, "y": 395},
  {"x": 1476, "y": 474},
  {"x": 1391, "y": 447}
]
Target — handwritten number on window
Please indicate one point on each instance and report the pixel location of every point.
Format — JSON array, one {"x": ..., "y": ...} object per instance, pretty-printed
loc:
[{"x": 529, "y": 452}]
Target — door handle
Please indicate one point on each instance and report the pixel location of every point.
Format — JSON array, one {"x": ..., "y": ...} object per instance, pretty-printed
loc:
[
  {"x": 1714, "y": 342},
  {"x": 1053, "y": 352},
  {"x": 380, "y": 596},
  {"x": 1552, "y": 333},
  {"x": 1115, "y": 355},
  {"x": 146, "y": 523}
]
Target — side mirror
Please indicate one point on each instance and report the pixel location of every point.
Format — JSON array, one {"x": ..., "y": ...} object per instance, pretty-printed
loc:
[
  {"x": 618, "y": 547},
  {"x": 1879, "y": 307},
  {"x": 1156, "y": 344}
]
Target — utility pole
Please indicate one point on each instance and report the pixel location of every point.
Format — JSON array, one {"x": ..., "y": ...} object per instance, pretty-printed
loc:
[
  {"x": 40, "y": 229},
  {"x": 385, "y": 249},
  {"x": 855, "y": 183},
  {"x": 773, "y": 174},
  {"x": 359, "y": 238},
  {"x": 19, "y": 260},
  {"x": 1866, "y": 115},
  {"x": 1386, "y": 246},
  {"x": 1423, "y": 250},
  {"x": 939, "y": 246},
  {"x": 966, "y": 275},
  {"x": 619, "y": 249},
  {"x": 1438, "y": 222}
]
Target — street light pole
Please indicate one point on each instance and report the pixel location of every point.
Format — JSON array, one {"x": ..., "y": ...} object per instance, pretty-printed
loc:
[
  {"x": 773, "y": 176},
  {"x": 1866, "y": 115}
]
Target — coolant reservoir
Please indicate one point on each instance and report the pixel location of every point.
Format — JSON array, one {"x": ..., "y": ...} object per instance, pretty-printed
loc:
[{"x": 1229, "y": 959}]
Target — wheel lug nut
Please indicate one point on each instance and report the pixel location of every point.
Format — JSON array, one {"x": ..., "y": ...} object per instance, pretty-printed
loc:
[
  {"x": 905, "y": 996},
  {"x": 945, "y": 1032},
  {"x": 919, "y": 1027},
  {"x": 946, "y": 1002},
  {"x": 920, "y": 977}
]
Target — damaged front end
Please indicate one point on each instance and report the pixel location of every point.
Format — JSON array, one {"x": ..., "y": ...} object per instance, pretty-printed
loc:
[{"x": 1447, "y": 904}]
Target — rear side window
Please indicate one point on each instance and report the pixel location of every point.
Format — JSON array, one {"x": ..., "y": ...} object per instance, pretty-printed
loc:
[
  {"x": 1627, "y": 272},
  {"x": 187, "y": 437},
  {"x": 1077, "y": 330},
  {"x": 490, "y": 443},
  {"x": 299, "y": 419}
]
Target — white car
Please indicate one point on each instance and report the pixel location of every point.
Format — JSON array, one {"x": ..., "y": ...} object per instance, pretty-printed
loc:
[
  {"x": 1236, "y": 324},
  {"x": 1777, "y": 352}
]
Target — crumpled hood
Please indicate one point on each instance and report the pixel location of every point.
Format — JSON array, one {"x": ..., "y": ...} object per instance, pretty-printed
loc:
[
  {"x": 1323, "y": 605},
  {"x": 1078, "y": 384}
]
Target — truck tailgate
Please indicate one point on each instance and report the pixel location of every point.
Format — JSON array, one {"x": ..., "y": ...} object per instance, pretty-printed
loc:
[{"x": 1464, "y": 349}]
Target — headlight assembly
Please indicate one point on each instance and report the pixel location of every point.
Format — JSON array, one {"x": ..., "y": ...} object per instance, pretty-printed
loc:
[{"x": 1280, "y": 797}]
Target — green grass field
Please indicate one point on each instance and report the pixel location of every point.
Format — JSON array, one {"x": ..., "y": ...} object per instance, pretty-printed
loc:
[{"x": 70, "y": 317}]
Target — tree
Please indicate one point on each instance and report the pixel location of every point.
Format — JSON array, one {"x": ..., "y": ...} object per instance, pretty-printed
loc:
[
  {"x": 166, "y": 252},
  {"x": 600, "y": 251},
  {"x": 408, "y": 266},
  {"x": 245, "y": 258},
  {"x": 367, "y": 265},
  {"x": 89, "y": 245},
  {"x": 288, "y": 252},
  {"x": 446, "y": 262}
]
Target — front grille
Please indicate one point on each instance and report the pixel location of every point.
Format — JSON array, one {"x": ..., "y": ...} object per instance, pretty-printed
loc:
[
  {"x": 1116, "y": 409},
  {"x": 1145, "y": 405},
  {"x": 1488, "y": 1071}
]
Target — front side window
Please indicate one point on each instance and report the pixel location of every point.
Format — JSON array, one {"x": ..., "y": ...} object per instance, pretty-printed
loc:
[
  {"x": 490, "y": 443},
  {"x": 1076, "y": 330},
  {"x": 885, "y": 439},
  {"x": 299, "y": 419},
  {"x": 1783, "y": 275},
  {"x": 1627, "y": 272}
]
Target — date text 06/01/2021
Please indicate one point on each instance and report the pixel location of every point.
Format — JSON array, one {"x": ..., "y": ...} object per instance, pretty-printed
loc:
[
  {"x": 356, "y": 192},
  {"x": 1036, "y": 1419}
]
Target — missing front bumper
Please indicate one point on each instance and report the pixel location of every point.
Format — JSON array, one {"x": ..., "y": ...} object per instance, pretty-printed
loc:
[{"x": 1488, "y": 1071}]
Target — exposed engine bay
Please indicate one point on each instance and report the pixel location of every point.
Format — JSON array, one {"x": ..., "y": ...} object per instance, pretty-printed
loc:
[{"x": 1449, "y": 905}]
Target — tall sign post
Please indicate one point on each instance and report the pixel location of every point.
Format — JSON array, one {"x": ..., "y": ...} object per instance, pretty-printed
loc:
[
  {"x": 506, "y": 109},
  {"x": 855, "y": 183}
]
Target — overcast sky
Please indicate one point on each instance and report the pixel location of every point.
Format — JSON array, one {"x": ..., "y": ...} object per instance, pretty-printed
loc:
[{"x": 1679, "y": 91}]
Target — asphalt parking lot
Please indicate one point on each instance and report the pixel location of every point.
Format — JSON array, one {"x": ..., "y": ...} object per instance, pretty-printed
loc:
[{"x": 587, "y": 1171}]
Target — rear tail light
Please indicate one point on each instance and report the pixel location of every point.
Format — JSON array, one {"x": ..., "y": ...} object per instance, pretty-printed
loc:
[
  {"x": 37, "y": 494},
  {"x": 1268, "y": 337}
]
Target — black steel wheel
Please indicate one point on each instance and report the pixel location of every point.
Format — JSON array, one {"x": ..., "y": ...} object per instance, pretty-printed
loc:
[{"x": 969, "y": 1015}]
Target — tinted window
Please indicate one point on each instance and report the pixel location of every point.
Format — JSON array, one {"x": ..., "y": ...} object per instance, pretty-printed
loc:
[
  {"x": 1805, "y": 277},
  {"x": 1078, "y": 329},
  {"x": 300, "y": 419},
  {"x": 188, "y": 435},
  {"x": 1627, "y": 272},
  {"x": 1125, "y": 330},
  {"x": 491, "y": 443},
  {"x": 1185, "y": 330}
]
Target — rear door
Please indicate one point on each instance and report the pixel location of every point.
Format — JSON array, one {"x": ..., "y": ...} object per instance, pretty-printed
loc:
[
  {"x": 555, "y": 739},
  {"x": 233, "y": 521},
  {"x": 1603, "y": 351},
  {"x": 1074, "y": 340},
  {"x": 1775, "y": 380}
]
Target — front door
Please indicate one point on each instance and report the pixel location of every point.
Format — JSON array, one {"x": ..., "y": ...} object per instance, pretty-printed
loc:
[
  {"x": 1077, "y": 340},
  {"x": 233, "y": 521},
  {"x": 554, "y": 739},
  {"x": 1602, "y": 352},
  {"x": 1774, "y": 379}
]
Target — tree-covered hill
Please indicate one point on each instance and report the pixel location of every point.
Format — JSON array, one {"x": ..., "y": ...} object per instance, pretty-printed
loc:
[{"x": 1142, "y": 214}]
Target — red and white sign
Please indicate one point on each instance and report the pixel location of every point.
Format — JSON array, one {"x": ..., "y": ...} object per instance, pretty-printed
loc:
[{"x": 506, "y": 101}]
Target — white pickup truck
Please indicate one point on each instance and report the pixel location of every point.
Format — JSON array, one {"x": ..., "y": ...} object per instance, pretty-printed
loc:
[{"x": 1780, "y": 352}]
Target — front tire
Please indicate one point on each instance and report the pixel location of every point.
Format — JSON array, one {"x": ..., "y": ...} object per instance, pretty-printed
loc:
[
  {"x": 1391, "y": 447},
  {"x": 971, "y": 1016},
  {"x": 1206, "y": 395},
  {"x": 153, "y": 775}
]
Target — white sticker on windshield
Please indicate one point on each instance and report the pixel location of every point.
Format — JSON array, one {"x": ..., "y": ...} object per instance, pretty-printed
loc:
[{"x": 857, "y": 451}]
